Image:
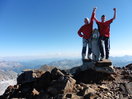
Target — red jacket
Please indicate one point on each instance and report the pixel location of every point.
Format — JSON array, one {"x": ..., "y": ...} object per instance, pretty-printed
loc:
[
  {"x": 104, "y": 27},
  {"x": 87, "y": 29}
]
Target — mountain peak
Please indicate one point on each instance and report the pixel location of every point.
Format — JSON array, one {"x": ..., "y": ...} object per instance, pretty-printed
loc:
[{"x": 83, "y": 84}]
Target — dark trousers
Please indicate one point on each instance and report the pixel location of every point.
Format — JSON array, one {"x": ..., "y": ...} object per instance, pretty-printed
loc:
[
  {"x": 104, "y": 42},
  {"x": 84, "y": 50}
]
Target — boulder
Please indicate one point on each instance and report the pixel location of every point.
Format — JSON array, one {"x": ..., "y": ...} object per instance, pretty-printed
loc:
[
  {"x": 91, "y": 76},
  {"x": 87, "y": 65},
  {"x": 104, "y": 66},
  {"x": 28, "y": 75},
  {"x": 83, "y": 84},
  {"x": 129, "y": 66},
  {"x": 103, "y": 63},
  {"x": 44, "y": 81},
  {"x": 8, "y": 92},
  {"x": 25, "y": 77},
  {"x": 62, "y": 86},
  {"x": 72, "y": 96},
  {"x": 42, "y": 95},
  {"x": 92, "y": 96},
  {"x": 88, "y": 90},
  {"x": 56, "y": 73},
  {"x": 38, "y": 73},
  {"x": 108, "y": 70},
  {"x": 74, "y": 70},
  {"x": 129, "y": 88},
  {"x": 35, "y": 92},
  {"x": 127, "y": 74},
  {"x": 69, "y": 85},
  {"x": 104, "y": 87},
  {"x": 54, "y": 90}
]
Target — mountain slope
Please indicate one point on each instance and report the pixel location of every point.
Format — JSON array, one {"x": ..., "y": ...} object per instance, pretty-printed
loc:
[
  {"x": 7, "y": 78},
  {"x": 88, "y": 84}
]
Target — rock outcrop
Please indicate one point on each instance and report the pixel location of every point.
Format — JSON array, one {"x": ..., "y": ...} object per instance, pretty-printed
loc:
[{"x": 82, "y": 84}]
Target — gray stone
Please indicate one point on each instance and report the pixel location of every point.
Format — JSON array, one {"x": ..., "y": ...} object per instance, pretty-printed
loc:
[
  {"x": 88, "y": 90},
  {"x": 87, "y": 65},
  {"x": 129, "y": 88},
  {"x": 95, "y": 45},
  {"x": 69, "y": 85},
  {"x": 103, "y": 63},
  {"x": 108, "y": 70},
  {"x": 63, "y": 86},
  {"x": 25, "y": 77},
  {"x": 75, "y": 70}
]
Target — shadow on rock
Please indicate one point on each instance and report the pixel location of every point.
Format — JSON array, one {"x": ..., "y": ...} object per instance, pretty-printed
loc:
[{"x": 91, "y": 76}]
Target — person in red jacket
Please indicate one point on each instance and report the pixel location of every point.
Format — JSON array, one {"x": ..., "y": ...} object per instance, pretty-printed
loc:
[
  {"x": 85, "y": 32},
  {"x": 104, "y": 30}
]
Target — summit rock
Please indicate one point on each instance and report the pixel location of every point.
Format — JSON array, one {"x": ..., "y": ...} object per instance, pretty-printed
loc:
[{"x": 83, "y": 83}]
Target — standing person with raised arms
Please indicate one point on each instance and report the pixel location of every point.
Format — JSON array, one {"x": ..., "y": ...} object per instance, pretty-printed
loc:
[
  {"x": 104, "y": 30},
  {"x": 85, "y": 32}
]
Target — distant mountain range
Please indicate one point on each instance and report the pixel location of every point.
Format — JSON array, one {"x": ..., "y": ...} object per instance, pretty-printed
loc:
[
  {"x": 19, "y": 65},
  {"x": 69, "y": 63},
  {"x": 66, "y": 63},
  {"x": 121, "y": 61},
  {"x": 9, "y": 64},
  {"x": 9, "y": 69}
]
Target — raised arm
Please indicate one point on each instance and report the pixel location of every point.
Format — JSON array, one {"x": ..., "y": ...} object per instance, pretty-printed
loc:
[
  {"x": 93, "y": 15},
  {"x": 96, "y": 19},
  {"x": 94, "y": 10},
  {"x": 114, "y": 13}
]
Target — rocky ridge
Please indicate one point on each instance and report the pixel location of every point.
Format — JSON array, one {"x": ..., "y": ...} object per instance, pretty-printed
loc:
[{"x": 59, "y": 84}]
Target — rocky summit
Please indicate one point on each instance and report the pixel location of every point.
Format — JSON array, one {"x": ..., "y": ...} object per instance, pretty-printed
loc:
[{"x": 83, "y": 82}]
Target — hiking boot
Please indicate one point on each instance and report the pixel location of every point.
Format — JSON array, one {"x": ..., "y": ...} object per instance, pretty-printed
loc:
[
  {"x": 83, "y": 56},
  {"x": 89, "y": 57},
  {"x": 101, "y": 59},
  {"x": 107, "y": 57}
]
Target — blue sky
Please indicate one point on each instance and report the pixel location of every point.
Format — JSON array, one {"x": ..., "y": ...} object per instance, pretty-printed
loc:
[{"x": 49, "y": 27}]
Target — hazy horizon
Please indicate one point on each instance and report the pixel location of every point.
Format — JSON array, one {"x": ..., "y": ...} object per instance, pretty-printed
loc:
[{"x": 44, "y": 57}]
